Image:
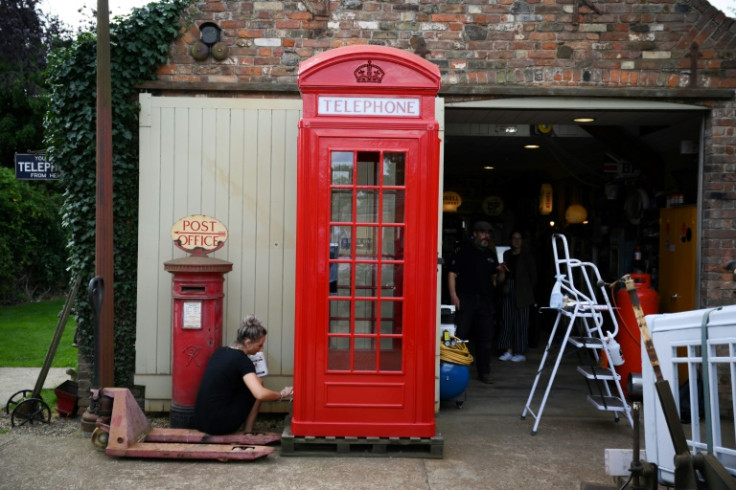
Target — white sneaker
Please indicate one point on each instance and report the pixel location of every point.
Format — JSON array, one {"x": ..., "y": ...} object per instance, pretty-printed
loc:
[
  {"x": 518, "y": 358},
  {"x": 506, "y": 356}
]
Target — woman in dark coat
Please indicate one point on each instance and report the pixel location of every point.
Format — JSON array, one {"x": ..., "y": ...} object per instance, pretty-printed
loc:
[{"x": 520, "y": 277}]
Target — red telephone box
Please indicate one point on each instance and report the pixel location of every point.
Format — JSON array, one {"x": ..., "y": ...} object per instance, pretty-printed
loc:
[{"x": 366, "y": 264}]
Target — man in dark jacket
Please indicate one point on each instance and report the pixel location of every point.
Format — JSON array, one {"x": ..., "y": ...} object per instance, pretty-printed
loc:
[{"x": 471, "y": 283}]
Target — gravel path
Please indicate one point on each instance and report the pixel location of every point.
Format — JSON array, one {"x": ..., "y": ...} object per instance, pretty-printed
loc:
[{"x": 59, "y": 426}]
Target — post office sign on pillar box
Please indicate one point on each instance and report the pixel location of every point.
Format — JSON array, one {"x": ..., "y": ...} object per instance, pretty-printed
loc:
[
  {"x": 367, "y": 206},
  {"x": 197, "y": 292}
]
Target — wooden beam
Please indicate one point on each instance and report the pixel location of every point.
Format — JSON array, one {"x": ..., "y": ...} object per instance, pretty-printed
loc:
[{"x": 104, "y": 267}]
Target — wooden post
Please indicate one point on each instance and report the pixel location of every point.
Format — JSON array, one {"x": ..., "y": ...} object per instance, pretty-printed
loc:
[{"x": 104, "y": 266}]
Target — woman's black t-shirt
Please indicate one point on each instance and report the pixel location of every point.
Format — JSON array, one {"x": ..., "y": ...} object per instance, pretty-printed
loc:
[{"x": 223, "y": 400}]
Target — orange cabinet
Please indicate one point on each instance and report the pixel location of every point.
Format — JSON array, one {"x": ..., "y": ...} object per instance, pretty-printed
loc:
[{"x": 677, "y": 260}]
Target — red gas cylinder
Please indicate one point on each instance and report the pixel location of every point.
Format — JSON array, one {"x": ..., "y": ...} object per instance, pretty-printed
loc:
[{"x": 629, "y": 336}]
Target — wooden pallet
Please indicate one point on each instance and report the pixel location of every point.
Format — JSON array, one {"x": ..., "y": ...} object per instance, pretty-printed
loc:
[{"x": 409, "y": 447}]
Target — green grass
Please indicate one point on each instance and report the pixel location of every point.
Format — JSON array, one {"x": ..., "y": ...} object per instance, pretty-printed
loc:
[{"x": 26, "y": 332}]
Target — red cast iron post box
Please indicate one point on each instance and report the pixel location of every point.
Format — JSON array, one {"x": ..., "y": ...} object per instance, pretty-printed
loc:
[
  {"x": 197, "y": 292},
  {"x": 366, "y": 264}
]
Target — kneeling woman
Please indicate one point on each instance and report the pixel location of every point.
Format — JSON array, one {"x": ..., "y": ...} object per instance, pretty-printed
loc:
[{"x": 231, "y": 393}]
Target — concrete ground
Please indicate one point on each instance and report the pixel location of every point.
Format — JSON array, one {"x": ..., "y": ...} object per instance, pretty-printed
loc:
[{"x": 486, "y": 446}]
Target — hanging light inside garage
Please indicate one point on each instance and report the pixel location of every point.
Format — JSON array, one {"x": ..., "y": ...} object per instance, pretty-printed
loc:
[
  {"x": 545, "y": 199},
  {"x": 576, "y": 214}
]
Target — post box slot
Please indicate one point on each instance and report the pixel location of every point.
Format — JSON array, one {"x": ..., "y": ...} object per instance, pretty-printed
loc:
[{"x": 193, "y": 289}]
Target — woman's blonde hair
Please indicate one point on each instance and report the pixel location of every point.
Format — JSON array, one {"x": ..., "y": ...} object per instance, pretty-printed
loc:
[{"x": 250, "y": 329}]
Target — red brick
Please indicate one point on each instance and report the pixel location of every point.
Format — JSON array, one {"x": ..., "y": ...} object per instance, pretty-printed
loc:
[
  {"x": 316, "y": 25},
  {"x": 288, "y": 24},
  {"x": 231, "y": 24},
  {"x": 264, "y": 60},
  {"x": 308, "y": 35},
  {"x": 250, "y": 33},
  {"x": 187, "y": 78},
  {"x": 543, "y": 36},
  {"x": 542, "y": 55},
  {"x": 444, "y": 18},
  {"x": 299, "y": 15},
  {"x": 251, "y": 71},
  {"x": 189, "y": 37},
  {"x": 166, "y": 70},
  {"x": 213, "y": 7}
]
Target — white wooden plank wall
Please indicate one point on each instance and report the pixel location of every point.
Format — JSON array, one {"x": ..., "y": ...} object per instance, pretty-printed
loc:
[
  {"x": 235, "y": 160},
  {"x": 439, "y": 108}
]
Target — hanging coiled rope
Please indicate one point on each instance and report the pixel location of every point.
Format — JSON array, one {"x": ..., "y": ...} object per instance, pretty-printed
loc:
[{"x": 456, "y": 353}]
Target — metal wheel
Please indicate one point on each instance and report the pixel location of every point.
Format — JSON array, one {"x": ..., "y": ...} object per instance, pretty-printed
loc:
[
  {"x": 99, "y": 439},
  {"x": 16, "y": 399},
  {"x": 30, "y": 410}
]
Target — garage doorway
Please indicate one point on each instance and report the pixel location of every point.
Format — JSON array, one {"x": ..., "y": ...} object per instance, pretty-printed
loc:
[{"x": 621, "y": 161}]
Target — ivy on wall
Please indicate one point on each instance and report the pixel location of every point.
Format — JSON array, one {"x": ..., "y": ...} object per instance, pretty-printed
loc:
[{"x": 139, "y": 43}]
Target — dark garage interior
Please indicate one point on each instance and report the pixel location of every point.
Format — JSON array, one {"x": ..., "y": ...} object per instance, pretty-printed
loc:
[{"x": 622, "y": 163}]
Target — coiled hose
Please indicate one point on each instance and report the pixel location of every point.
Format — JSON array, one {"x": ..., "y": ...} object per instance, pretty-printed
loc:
[{"x": 456, "y": 354}]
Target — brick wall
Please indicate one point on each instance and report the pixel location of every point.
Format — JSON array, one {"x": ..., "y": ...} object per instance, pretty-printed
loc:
[
  {"x": 503, "y": 47},
  {"x": 719, "y": 207},
  {"x": 502, "y": 42}
]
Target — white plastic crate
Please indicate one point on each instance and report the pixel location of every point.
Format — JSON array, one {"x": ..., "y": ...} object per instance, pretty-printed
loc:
[{"x": 680, "y": 340}]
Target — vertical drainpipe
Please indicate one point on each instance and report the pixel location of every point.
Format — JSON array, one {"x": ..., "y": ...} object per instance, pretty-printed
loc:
[{"x": 699, "y": 215}]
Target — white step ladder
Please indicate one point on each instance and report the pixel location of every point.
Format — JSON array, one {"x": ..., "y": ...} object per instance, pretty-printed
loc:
[{"x": 585, "y": 309}]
